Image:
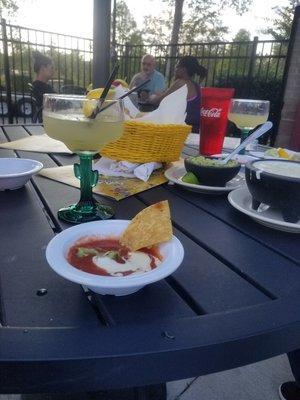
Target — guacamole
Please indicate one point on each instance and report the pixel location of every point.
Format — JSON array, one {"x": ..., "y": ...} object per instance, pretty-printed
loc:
[{"x": 210, "y": 162}]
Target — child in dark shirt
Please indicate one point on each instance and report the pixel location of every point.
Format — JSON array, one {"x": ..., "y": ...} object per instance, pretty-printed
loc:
[{"x": 44, "y": 69}]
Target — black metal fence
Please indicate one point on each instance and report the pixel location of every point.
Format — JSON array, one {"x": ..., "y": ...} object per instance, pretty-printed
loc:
[
  {"x": 225, "y": 61},
  {"x": 254, "y": 68},
  {"x": 72, "y": 58}
]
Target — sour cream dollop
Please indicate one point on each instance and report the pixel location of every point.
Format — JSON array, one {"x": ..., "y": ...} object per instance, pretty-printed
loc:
[{"x": 138, "y": 262}]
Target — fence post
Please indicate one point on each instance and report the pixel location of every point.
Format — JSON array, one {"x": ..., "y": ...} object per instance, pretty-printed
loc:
[
  {"x": 127, "y": 60},
  {"x": 251, "y": 65},
  {"x": 7, "y": 73}
]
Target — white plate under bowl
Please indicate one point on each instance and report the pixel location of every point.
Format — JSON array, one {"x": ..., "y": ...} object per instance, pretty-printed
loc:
[
  {"x": 15, "y": 172},
  {"x": 175, "y": 173},
  {"x": 262, "y": 154},
  {"x": 57, "y": 249},
  {"x": 241, "y": 199}
]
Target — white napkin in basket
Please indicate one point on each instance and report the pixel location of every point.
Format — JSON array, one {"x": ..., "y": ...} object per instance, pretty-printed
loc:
[
  {"x": 128, "y": 104},
  {"x": 106, "y": 166},
  {"x": 172, "y": 109}
]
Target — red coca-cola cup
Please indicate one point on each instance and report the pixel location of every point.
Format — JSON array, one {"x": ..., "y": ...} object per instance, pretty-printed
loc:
[{"x": 215, "y": 104}]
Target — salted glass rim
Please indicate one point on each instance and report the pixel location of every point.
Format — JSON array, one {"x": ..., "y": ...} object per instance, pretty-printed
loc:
[
  {"x": 250, "y": 100},
  {"x": 73, "y": 96}
]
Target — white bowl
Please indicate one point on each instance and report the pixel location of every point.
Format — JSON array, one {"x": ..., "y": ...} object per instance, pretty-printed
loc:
[
  {"x": 15, "y": 172},
  {"x": 57, "y": 249}
]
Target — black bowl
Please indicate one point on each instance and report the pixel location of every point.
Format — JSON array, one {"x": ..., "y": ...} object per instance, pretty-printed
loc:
[
  {"x": 279, "y": 191},
  {"x": 211, "y": 175}
]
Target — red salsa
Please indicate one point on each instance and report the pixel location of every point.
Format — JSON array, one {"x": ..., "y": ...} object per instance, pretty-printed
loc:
[{"x": 81, "y": 254}]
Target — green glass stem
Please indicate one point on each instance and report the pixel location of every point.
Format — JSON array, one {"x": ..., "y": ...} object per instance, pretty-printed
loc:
[
  {"x": 87, "y": 209},
  {"x": 244, "y": 135},
  {"x": 88, "y": 179}
]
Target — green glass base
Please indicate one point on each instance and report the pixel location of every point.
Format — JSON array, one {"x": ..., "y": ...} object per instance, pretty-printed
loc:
[{"x": 80, "y": 213}]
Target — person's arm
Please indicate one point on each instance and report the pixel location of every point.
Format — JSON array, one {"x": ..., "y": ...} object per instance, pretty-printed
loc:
[
  {"x": 157, "y": 98},
  {"x": 137, "y": 80},
  {"x": 132, "y": 83},
  {"x": 160, "y": 85}
]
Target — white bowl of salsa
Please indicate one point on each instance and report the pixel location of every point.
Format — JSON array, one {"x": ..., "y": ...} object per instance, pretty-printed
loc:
[{"x": 86, "y": 246}]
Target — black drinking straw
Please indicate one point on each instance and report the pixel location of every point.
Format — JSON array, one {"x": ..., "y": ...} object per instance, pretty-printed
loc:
[
  {"x": 125, "y": 95},
  {"x": 105, "y": 91}
]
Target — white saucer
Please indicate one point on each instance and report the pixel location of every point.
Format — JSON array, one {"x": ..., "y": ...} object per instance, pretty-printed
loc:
[
  {"x": 241, "y": 199},
  {"x": 175, "y": 173},
  {"x": 261, "y": 154}
]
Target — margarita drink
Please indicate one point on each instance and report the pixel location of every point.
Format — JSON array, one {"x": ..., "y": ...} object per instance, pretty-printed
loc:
[
  {"x": 80, "y": 133},
  {"x": 77, "y": 122},
  {"x": 247, "y": 120}
]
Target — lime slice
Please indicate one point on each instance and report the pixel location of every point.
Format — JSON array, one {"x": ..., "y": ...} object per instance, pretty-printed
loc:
[
  {"x": 88, "y": 107},
  {"x": 189, "y": 177},
  {"x": 96, "y": 93}
]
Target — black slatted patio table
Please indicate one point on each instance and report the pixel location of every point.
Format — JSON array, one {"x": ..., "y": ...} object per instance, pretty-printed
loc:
[{"x": 235, "y": 299}]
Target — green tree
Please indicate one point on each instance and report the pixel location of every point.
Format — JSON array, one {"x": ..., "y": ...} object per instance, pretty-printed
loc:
[
  {"x": 126, "y": 27},
  {"x": 157, "y": 29},
  {"x": 234, "y": 58},
  {"x": 192, "y": 20},
  {"x": 242, "y": 36},
  {"x": 280, "y": 26},
  {"x": 8, "y": 8}
]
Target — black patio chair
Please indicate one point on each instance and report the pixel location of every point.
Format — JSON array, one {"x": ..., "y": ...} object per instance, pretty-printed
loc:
[
  {"x": 37, "y": 115},
  {"x": 72, "y": 89}
]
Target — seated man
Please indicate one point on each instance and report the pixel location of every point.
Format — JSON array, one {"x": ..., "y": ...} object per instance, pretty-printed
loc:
[{"x": 157, "y": 81}]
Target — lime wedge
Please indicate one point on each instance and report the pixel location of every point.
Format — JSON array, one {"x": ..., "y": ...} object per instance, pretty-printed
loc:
[{"x": 189, "y": 177}]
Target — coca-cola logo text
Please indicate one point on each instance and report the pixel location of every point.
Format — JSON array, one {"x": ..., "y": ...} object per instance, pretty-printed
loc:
[{"x": 211, "y": 113}]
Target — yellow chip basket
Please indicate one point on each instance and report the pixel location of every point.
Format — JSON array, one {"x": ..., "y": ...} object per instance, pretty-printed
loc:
[{"x": 145, "y": 142}]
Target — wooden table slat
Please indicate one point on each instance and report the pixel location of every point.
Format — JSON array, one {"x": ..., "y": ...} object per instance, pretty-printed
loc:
[
  {"x": 59, "y": 194},
  {"x": 284, "y": 243},
  {"x": 255, "y": 262},
  {"x": 234, "y": 300}
]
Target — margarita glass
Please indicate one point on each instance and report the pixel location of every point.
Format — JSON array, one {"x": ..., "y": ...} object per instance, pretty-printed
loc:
[
  {"x": 64, "y": 118},
  {"x": 248, "y": 114}
]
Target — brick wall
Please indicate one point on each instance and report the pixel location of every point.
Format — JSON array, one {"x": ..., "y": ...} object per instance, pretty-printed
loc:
[{"x": 291, "y": 108}]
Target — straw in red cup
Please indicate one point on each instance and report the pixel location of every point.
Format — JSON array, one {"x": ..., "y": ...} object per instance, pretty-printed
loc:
[{"x": 213, "y": 120}]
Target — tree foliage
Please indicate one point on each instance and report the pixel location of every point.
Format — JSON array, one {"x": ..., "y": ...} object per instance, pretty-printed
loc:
[
  {"x": 8, "y": 7},
  {"x": 157, "y": 29},
  {"x": 242, "y": 36},
  {"x": 126, "y": 27},
  {"x": 280, "y": 26},
  {"x": 201, "y": 20}
]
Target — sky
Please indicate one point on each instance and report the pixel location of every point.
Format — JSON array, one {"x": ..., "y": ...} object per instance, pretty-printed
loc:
[{"x": 74, "y": 17}]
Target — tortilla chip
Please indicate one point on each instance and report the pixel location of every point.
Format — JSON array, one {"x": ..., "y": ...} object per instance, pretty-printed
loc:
[{"x": 149, "y": 227}]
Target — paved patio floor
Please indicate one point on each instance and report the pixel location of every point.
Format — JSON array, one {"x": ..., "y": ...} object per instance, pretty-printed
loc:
[{"x": 258, "y": 381}]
